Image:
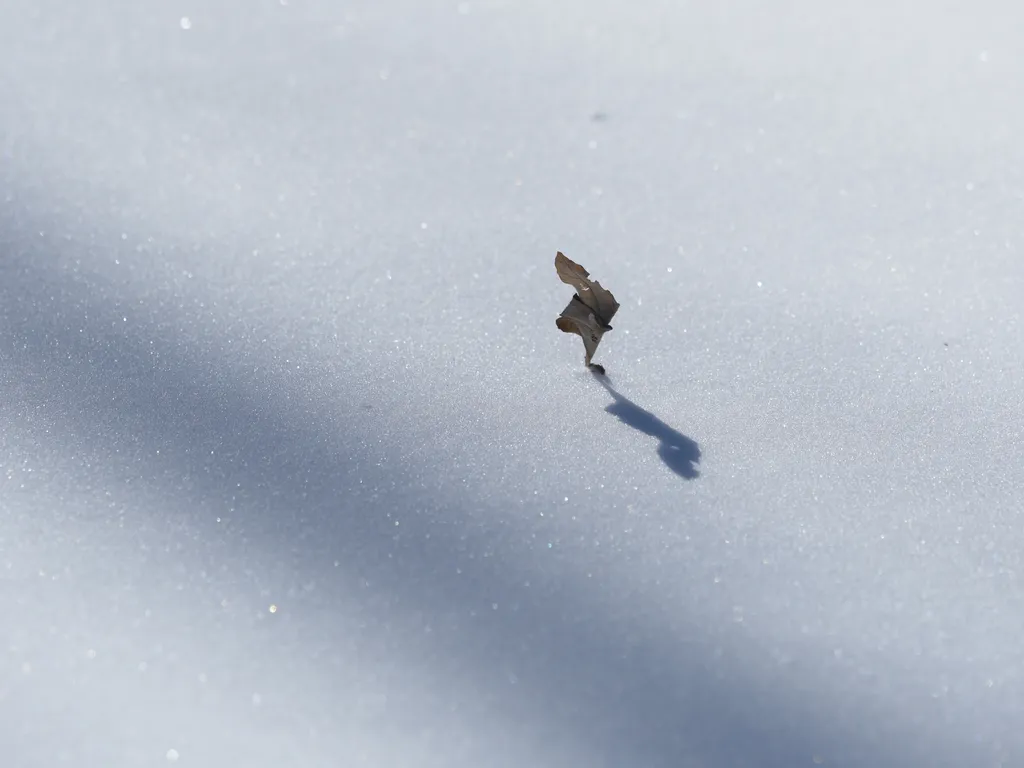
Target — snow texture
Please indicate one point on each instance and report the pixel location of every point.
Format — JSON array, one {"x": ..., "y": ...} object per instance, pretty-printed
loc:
[{"x": 296, "y": 470}]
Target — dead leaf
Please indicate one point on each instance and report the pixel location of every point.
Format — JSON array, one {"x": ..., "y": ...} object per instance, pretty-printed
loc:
[{"x": 591, "y": 308}]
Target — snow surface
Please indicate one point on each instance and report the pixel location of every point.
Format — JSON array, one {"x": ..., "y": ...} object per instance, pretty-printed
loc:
[{"x": 295, "y": 468}]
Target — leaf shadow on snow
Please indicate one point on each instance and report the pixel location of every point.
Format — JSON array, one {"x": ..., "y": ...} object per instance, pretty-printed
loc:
[
  {"x": 680, "y": 453},
  {"x": 312, "y": 504}
]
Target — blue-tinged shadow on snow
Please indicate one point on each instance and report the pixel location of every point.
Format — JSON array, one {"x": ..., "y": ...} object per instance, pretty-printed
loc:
[
  {"x": 483, "y": 621},
  {"x": 680, "y": 453}
]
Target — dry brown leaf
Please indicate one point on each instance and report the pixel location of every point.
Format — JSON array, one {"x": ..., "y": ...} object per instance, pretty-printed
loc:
[{"x": 590, "y": 311}]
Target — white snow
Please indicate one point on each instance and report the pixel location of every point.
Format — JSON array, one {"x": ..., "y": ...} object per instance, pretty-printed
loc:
[{"x": 295, "y": 468}]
